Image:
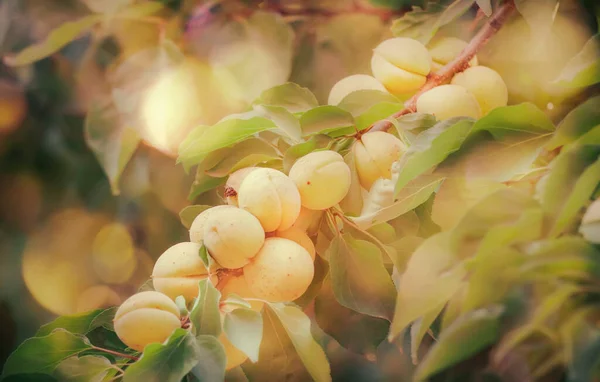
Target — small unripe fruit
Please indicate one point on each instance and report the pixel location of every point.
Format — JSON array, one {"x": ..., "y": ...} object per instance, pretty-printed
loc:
[
  {"x": 374, "y": 154},
  {"x": 486, "y": 85},
  {"x": 270, "y": 196},
  {"x": 197, "y": 228},
  {"x": 239, "y": 286},
  {"x": 233, "y": 184},
  {"x": 445, "y": 49},
  {"x": 351, "y": 84},
  {"x": 235, "y": 356},
  {"x": 309, "y": 221},
  {"x": 401, "y": 64},
  {"x": 146, "y": 318},
  {"x": 590, "y": 224},
  {"x": 178, "y": 271},
  {"x": 323, "y": 179},
  {"x": 298, "y": 236},
  {"x": 233, "y": 236},
  {"x": 281, "y": 271},
  {"x": 449, "y": 101}
]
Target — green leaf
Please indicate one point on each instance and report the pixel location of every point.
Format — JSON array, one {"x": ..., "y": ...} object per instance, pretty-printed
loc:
[
  {"x": 540, "y": 16},
  {"x": 573, "y": 177},
  {"x": 211, "y": 358},
  {"x": 415, "y": 193},
  {"x": 432, "y": 276},
  {"x": 376, "y": 113},
  {"x": 189, "y": 213},
  {"x": 361, "y": 101},
  {"x": 315, "y": 143},
  {"x": 524, "y": 118},
  {"x": 297, "y": 327},
  {"x": 248, "y": 153},
  {"x": 112, "y": 142},
  {"x": 290, "y": 96},
  {"x": 81, "y": 323},
  {"x": 30, "y": 377},
  {"x": 88, "y": 368},
  {"x": 415, "y": 122},
  {"x": 582, "y": 70},
  {"x": 57, "y": 39},
  {"x": 243, "y": 328},
  {"x": 44, "y": 354},
  {"x": 172, "y": 360},
  {"x": 204, "y": 140},
  {"x": 468, "y": 335},
  {"x": 239, "y": 302},
  {"x": 359, "y": 278},
  {"x": 419, "y": 329},
  {"x": 287, "y": 123},
  {"x": 422, "y": 24},
  {"x": 431, "y": 147},
  {"x": 205, "y": 316},
  {"x": 356, "y": 332},
  {"x": 485, "y": 6},
  {"x": 578, "y": 122},
  {"x": 204, "y": 182},
  {"x": 330, "y": 120}
]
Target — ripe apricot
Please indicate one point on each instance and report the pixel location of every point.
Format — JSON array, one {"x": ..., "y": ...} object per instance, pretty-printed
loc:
[{"x": 374, "y": 154}]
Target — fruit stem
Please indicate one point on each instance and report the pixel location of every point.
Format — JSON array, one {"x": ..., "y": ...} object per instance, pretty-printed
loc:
[
  {"x": 460, "y": 63},
  {"x": 114, "y": 352},
  {"x": 225, "y": 274}
]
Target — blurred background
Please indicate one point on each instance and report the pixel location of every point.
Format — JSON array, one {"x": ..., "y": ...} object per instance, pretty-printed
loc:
[{"x": 89, "y": 186}]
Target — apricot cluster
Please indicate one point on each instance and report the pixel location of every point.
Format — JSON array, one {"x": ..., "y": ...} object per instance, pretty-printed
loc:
[{"x": 259, "y": 240}]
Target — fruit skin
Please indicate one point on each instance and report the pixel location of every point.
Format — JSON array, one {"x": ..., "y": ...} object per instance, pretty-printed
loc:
[
  {"x": 272, "y": 197},
  {"x": 486, "y": 85},
  {"x": 323, "y": 179},
  {"x": 351, "y": 84},
  {"x": 448, "y": 101},
  {"x": 235, "y": 356},
  {"x": 145, "y": 318},
  {"x": 178, "y": 271},
  {"x": 445, "y": 49},
  {"x": 234, "y": 182},
  {"x": 281, "y": 271},
  {"x": 300, "y": 237},
  {"x": 197, "y": 227},
  {"x": 308, "y": 221},
  {"x": 374, "y": 154},
  {"x": 239, "y": 286},
  {"x": 233, "y": 236},
  {"x": 401, "y": 64}
]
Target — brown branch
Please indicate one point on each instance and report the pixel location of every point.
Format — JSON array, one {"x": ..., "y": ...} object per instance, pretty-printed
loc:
[{"x": 460, "y": 63}]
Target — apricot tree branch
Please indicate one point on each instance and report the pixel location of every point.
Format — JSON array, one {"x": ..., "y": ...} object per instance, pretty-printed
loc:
[
  {"x": 224, "y": 275},
  {"x": 460, "y": 63},
  {"x": 114, "y": 352}
]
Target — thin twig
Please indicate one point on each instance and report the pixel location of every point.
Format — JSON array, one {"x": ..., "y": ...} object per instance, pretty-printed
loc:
[
  {"x": 225, "y": 274},
  {"x": 460, "y": 63},
  {"x": 114, "y": 352}
]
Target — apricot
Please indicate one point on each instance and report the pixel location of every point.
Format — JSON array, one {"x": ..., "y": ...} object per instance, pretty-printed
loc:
[
  {"x": 281, "y": 271},
  {"x": 323, "y": 179},
  {"x": 233, "y": 184},
  {"x": 146, "y": 318},
  {"x": 233, "y": 236},
  {"x": 374, "y": 154},
  {"x": 298, "y": 236},
  {"x": 178, "y": 271},
  {"x": 351, "y": 84},
  {"x": 235, "y": 356},
  {"x": 486, "y": 85},
  {"x": 272, "y": 197},
  {"x": 401, "y": 64},
  {"x": 448, "y": 101},
  {"x": 239, "y": 286},
  {"x": 197, "y": 227},
  {"x": 445, "y": 49}
]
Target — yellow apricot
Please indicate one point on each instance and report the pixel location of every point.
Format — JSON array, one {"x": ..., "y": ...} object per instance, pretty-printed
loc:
[
  {"x": 235, "y": 356},
  {"x": 351, "y": 84},
  {"x": 239, "y": 286},
  {"x": 323, "y": 179},
  {"x": 233, "y": 236},
  {"x": 234, "y": 182},
  {"x": 197, "y": 227},
  {"x": 448, "y": 101},
  {"x": 486, "y": 85},
  {"x": 145, "y": 318},
  {"x": 309, "y": 221},
  {"x": 445, "y": 49},
  {"x": 401, "y": 64},
  {"x": 272, "y": 197},
  {"x": 374, "y": 154},
  {"x": 281, "y": 271},
  {"x": 178, "y": 271},
  {"x": 298, "y": 236}
]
